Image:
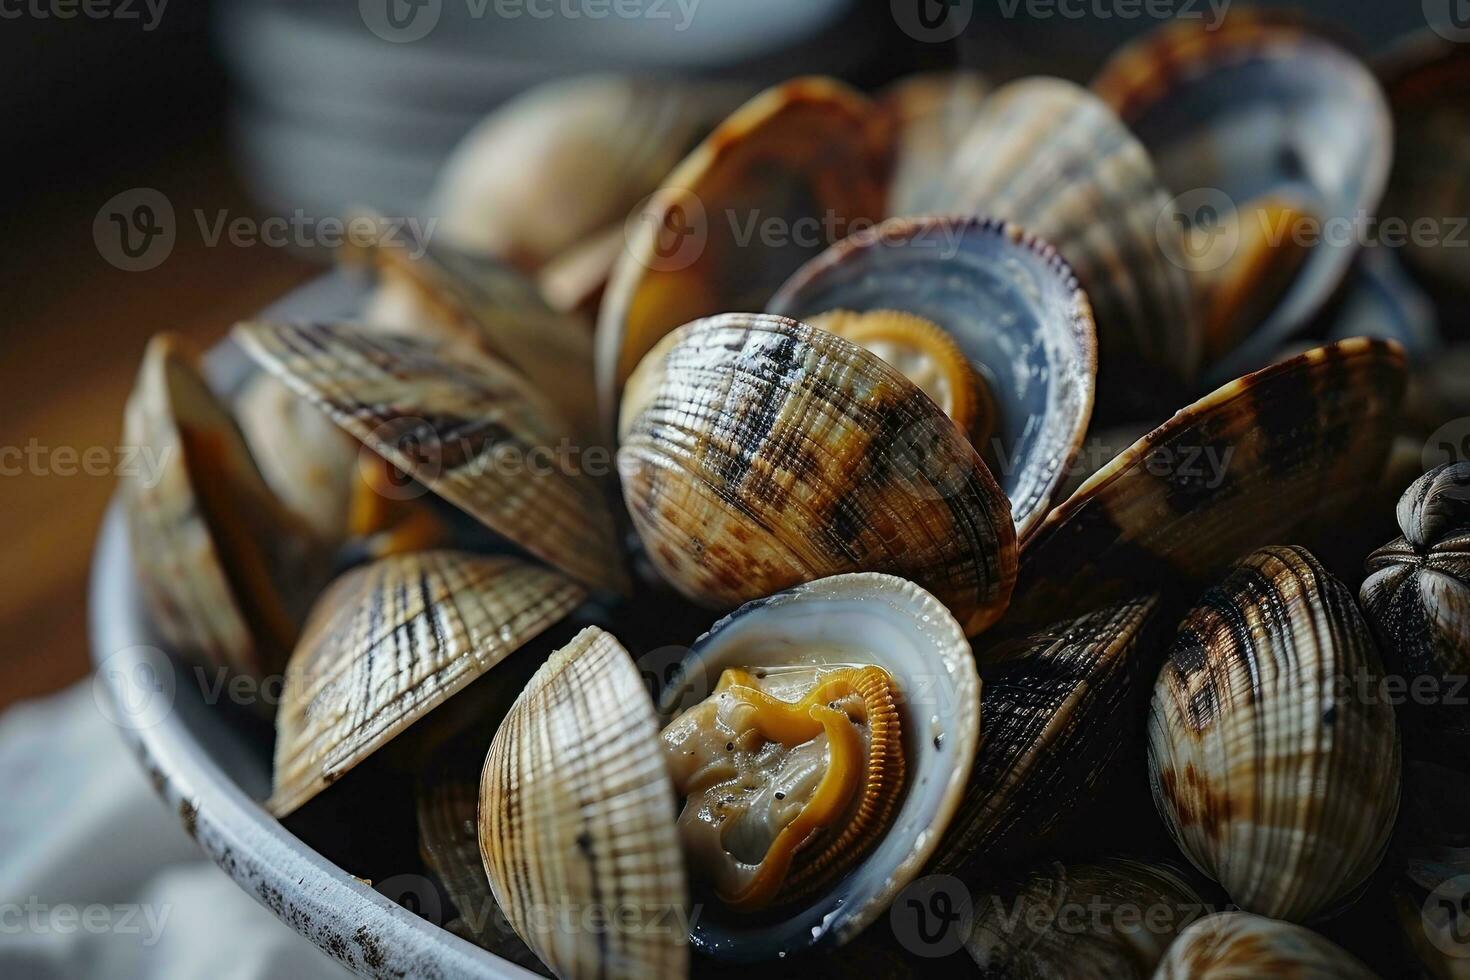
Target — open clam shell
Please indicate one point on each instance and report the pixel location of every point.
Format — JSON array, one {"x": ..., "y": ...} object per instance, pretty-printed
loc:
[
  {"x": 1273, "y": 754},
  {"x": 1015, "y": 310},
  {"x": 1227, "y": 945},
  {"x": 388, "y": 643},
  {"x": 758, "y": 452},
  {"x": 1049, "y": 156},
  {"x": 226, "y": 570},
  {"x": 1057, "y": 716},
  {"x": 1272, "y": 456},
  {"x": 1110, "y": 918},
  {"x": 576, "y": 820},
  {"x": 1417, "y": 599},
  {"x": 806, "y": 160},
  {"x": 472, "y": 431},
  {"x": 566, "y": 160},
  {"x": 480, "y": 304},
  {"x": 1257, "y": 106},
  {"x": 865, "y": 619}
]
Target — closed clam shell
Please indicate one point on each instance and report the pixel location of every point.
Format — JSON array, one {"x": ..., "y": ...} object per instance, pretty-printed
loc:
[
  {"x": 1428, "y": 902},
  {"x": 1012, "y": 305},
  {"x": 391, "y": 641},
  {"x": 1057, "y": 711},
  {"x": 805, "y": 161},
  {"x": 481, "y": 304},
  {"x": 1252, "y": 107},
  {"x": 758, "y": 453},
  {"x": 307, "y": 460},
  {"x": 1101, "y": 920},
  {"x": 1273, "y": 754},
  {"x": 1242, "y": 946},
  {"x": 577, "y": 820},
  {"x": 1052, "y": 158},
  {"x": 1417, "y": 599},
  {"x": 566, "y": 160},
  {"x": 1427, "y": 81},
  {"x": 932, "y": 111},
  {"x": 1275, "y": 455},
  {"x": 226, "y": 570},
  {"x": 866, "y": 619},
  {"x": 471, "y": 430}
]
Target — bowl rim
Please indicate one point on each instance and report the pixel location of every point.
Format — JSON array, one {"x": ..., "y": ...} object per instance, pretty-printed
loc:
[{"x": 339, "y": 913}]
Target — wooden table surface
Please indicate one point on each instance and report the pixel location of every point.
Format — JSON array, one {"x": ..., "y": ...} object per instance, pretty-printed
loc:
[{"x": 73, "y": 332}]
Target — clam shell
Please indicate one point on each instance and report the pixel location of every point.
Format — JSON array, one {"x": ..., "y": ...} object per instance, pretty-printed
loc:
[
  {"x": 568, "y": 159},
  {"x": 1258, "y": 106},
  {"x": 1050, "y": 157},
  {"x": 1274, "y": 758},
  {"x": 1271, "y": 456},
  {"x": 226, "y": 570},
  {"x": 465, "y": 427},
  {"x": 388, "y": 643},
  {"x": 809, "y": 154},
  {"x": 308, "y": 461},
  {"x": 1236, "y": 945},
  {"x": 1427, "y": 80},
  {"x": 480, "y": 304},
  {"x": 1013, "y": 307},
  {"x": 577, "y": 820},
  {"x": 1056, "y": 709},
  {"x": 1113, "y": 918},
  {"x": 758, "y": 453},
  {"x": 864, "y": 618},
  {"x": 932, "y": 111},
  {"x": 1417, "y": 599}
]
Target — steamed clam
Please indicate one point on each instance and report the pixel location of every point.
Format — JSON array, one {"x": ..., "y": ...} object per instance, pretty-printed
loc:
[
  {"x": 1273, "y": 755},
  {"x": 819, "y": 743},
  {"x": 979, "y": 314},
  {"x": 1256, "y": 110},
  {"x": 757, "y": 452},
  {"x": 1417, "y": 599},
  {"x": 225, "y": 568},
  {"x": 1094, "y": 921},
  {"x": 1231, "y": 945}
]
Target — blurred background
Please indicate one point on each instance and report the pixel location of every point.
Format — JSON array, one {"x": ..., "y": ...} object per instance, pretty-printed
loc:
[{"x": 260, "y": 108}]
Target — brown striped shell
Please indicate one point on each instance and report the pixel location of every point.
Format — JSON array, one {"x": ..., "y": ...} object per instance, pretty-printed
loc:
[
  {"x": 1242, "y": 946},
  {"x": 225, "y": 569},
  {"x": 758, "y": 453},
  {"x": 809, "y": 154},
  {"x": 1273, "y": 753},
  {"x": 1056, "y": 709},
  {"x": 1275, "y": 455},
  {"x": 469, "y": 429},
  {"x": 480, "y": 304},
  {"x": 566, "y": 160},
  {"x": 1050, "y": 157},
  {"x": 391, "y": 641},
  {"x": 1110, "y": 919},
  {"x": 576, "y": 820},
  {"x": 1417, "y": 599},
  {"x": 932, "y": 111}
]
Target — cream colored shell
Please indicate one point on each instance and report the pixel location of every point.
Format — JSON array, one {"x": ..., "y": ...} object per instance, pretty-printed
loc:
[
  {"x": 577, "y": 820},
  {"x": 1242, "y": 946}
]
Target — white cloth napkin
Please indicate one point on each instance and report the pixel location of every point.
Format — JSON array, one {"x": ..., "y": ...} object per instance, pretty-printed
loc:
[{"x": 97, "y": 878}]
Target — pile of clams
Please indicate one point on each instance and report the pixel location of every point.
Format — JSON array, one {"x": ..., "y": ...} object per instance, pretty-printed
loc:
[{"x": 679, "y": 602}]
